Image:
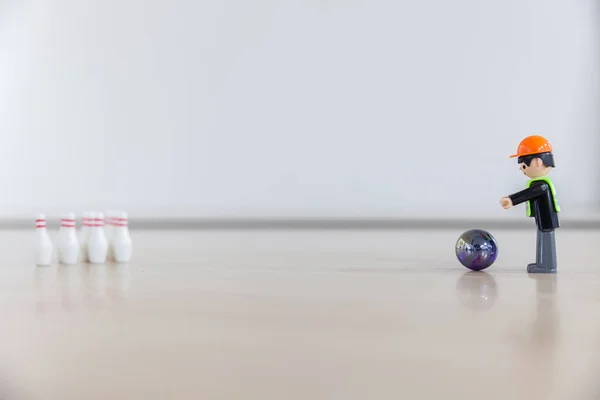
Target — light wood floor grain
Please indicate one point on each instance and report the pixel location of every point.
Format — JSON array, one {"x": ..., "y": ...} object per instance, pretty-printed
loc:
[{"x": 302, "y": 315}]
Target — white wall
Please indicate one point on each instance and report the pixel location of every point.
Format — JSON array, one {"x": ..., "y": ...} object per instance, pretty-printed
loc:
[{"x": 292, "y": 108}]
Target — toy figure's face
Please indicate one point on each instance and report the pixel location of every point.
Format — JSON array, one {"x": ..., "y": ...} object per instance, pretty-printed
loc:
[{"x": 535, "y": 169}]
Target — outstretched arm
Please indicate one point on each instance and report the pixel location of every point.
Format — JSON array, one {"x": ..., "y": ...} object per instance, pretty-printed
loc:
[{"x": 528, "y": 194}]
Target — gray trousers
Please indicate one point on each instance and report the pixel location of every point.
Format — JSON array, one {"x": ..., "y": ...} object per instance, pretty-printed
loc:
[{"x": 545, "y": 256}]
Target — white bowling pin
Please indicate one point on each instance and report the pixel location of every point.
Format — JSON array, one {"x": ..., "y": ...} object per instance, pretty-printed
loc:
[
  {"x": 121, "y": 243},
  {"x": 97, "y": 245},
  {"x": 109, "y": 231},
  {"x": 84, "y": 234},
  {"x": 67, "y": 244},
  {"x": 43, "y": 244}
]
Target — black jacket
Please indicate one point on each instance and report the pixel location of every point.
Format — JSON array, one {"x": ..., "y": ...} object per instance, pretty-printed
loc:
[{"x": 542, "y": 204}]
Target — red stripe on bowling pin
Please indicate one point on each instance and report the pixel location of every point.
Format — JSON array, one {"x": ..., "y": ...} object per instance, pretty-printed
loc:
[
  {"x": 97, "y": 222},
  {"x": 120, "y": 222}
]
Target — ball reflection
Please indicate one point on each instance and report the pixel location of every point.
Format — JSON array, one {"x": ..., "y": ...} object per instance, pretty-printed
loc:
[{"x": 477, "y": 291}]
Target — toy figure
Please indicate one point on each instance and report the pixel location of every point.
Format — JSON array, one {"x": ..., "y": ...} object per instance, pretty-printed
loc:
[{"x": 536, "y": 160}]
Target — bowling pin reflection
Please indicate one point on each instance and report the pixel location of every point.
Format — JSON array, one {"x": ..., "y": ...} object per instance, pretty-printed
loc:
[
  {"x": 119, "y": 278},
  {"x": 67, "y": 282},
  {"x": 105, "y": 284},
  {"x": 41, "y": 281},
  {"x": 93, "y": 284},
  {"x": 477, "y": 290}
]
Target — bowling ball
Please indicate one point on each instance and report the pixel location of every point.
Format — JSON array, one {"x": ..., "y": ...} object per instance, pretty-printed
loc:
[{"x": 476, "y": 249}]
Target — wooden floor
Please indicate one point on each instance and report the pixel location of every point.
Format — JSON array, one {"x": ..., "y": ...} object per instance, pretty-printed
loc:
[{"x": 302, "y": 315}]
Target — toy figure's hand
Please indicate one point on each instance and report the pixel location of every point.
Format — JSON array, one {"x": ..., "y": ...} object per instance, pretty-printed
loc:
[{"x": 506, "y": 202}]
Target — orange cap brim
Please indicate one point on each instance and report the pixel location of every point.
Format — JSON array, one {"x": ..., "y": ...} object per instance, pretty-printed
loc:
[{"x": 525, "y": 154}]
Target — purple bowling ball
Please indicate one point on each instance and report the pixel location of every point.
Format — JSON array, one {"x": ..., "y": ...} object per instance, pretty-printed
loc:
[{"x": 476, "y": 249}]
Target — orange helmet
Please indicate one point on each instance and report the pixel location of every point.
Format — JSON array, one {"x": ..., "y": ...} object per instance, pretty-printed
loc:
[{"x": 532, "y": 145}]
